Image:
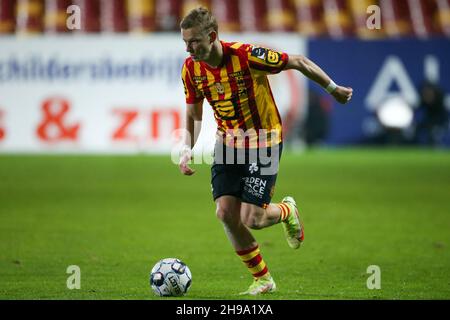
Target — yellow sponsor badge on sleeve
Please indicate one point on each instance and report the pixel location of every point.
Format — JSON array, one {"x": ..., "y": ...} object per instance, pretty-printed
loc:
[{"x": 273, "y": 57}]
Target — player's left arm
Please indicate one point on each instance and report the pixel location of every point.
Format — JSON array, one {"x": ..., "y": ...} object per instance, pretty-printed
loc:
[{"x": 315, "y": 73}]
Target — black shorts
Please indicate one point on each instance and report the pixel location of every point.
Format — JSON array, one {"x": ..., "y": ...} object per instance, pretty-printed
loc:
[{"x": 248, "y": 174}]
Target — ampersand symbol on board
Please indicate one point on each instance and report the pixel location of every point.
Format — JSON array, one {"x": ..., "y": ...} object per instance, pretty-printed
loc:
[{"x": 52, "y": 128}]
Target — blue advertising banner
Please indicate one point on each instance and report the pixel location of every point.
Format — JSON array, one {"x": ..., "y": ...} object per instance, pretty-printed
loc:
[{"x": 378, "y": 70}]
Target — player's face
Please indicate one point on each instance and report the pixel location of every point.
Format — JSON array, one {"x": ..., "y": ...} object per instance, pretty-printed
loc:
[{"x": 197, "y": 43}]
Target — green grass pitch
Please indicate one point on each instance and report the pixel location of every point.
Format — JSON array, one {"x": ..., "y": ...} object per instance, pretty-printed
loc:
[{"x": 115, "y": 216}]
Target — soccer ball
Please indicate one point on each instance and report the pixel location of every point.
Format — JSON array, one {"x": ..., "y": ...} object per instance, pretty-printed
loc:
[{"x": 170, "y": 277}]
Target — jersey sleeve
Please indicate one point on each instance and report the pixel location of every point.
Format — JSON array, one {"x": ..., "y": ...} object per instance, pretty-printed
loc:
[
  {"x": 267, "y": 60},
  {"x": 192, "y": 94}
]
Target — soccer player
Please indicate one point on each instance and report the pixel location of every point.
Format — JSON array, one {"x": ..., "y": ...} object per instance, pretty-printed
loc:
[{"x": 233, "y": 78}]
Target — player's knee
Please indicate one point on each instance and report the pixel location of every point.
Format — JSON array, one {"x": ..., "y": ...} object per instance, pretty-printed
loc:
[
  {"x": 225, "y": 215},
  {"x": 221, "y": 214}
]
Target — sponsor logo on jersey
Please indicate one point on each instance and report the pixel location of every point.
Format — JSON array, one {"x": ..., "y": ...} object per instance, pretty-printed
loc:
[{"x": 259, "y": 53}]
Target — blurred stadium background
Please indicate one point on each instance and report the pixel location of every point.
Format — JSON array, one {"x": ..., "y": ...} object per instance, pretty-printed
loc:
[
  {"x": 113, "y": 87},
  {"x": 312, "y": 18},
  {"x": 399, "y": 71}
]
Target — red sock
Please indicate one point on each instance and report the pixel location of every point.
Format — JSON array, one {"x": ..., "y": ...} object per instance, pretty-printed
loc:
[{"x": 285, "y": 211}]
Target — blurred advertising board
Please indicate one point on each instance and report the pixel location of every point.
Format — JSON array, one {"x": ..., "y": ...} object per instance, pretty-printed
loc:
[
  {"x": 378, "y": 70},
  {"x": 110, "y": 93}
]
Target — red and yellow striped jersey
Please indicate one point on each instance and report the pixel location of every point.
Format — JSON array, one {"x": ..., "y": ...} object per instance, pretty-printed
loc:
[{"x": 238, "y": 91}]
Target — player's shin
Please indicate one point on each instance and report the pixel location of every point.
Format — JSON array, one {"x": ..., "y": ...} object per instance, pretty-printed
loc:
[{"x": 254, "y": 262}]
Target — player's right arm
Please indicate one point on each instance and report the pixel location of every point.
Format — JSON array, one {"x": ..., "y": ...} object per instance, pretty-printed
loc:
[{"x": 194, "y": 111}]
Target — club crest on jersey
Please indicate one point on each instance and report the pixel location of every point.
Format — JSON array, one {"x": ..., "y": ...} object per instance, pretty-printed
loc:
[{"x": 220, "y": 88}]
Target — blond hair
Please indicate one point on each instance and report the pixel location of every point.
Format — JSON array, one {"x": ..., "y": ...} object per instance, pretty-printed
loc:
[{"x": 202, "y": 18}]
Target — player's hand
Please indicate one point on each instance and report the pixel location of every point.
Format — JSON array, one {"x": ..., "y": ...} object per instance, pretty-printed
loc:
[
  {"x": 185, "y": 157},
  {"x": 342, "y": 94}
]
